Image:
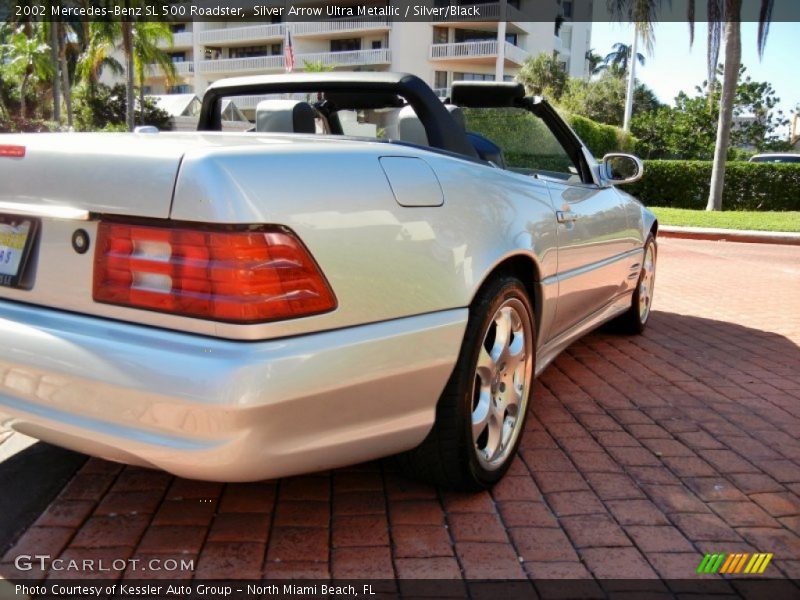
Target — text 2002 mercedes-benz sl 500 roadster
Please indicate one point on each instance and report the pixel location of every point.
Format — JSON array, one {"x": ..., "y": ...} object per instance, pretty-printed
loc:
[{"x": 368, "y": 271}]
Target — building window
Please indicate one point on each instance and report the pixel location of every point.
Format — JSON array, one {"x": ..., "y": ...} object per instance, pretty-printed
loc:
[
  {"x": 511, "y": 38},
  {"x": 566, "y": 8},
  {"x": 213, "y": 53},
  {"x": 248, "y": 52},
  {"x": 439, "y": 35},
  {"x": 377, "y": 44},
  {"x": 346, "y": 45},
  {"x": 440, "y": 79},
  {"x": 473, "y": 76},
  {"x": 178, "y": 57},
  {"x": 147, "y": 90},
  {"x": 179, "y": 89},
  {"x": 472, "y": 35},
  {"x": 178, "y": 27},
  {"x": 275, "y": 50}
]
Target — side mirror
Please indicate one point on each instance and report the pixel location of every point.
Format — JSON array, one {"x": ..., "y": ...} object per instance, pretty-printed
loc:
[{"x": 619, "y": 169}]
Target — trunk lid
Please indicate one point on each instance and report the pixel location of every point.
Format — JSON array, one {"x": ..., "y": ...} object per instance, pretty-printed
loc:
[{"x": 125, "y": 174}]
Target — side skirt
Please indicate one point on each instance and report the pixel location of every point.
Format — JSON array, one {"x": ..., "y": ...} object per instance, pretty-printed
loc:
[{"x": 547, "y": 353}]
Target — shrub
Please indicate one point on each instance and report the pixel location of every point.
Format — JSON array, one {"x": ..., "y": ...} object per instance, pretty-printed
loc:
[
  {"x": 103, "y": 109},
  {"x": 748, "y": 186},
  {"x": 599, "y": 138},
  {"x": 18, "y": 125},
  {"x": 519, "y": 132}
]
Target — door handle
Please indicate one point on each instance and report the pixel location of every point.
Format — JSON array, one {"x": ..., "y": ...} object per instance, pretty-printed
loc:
[{"x": 565, "y": 216}]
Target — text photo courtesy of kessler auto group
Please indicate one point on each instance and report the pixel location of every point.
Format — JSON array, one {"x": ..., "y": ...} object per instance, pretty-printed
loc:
[{"x": 399, "y": 299}]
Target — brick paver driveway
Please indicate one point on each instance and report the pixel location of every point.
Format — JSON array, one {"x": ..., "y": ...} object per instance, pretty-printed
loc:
[{"x": 641, "y": 454}]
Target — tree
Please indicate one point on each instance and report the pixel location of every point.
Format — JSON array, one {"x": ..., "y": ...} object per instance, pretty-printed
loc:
[
  {"x": 97, "y": 52},
  {"x": 617, "y": 61},
  {"x": 689, "y": 129},
  {"x": 724, "y": 17},
  {"x": 595, "y": 63},
  {"x": 727, "y": 12},
  {"x": 603, "y": 99},
  {"x": 316, "y": 66},
  {"x": 140, "y": 47},
  {"x": 543, "y": 75},
  {"x": 127, "y": 49},
  {"x": 146, "y": 52},
  {"x": 26, "y": 58},
  {"x": 105, "y": 108}
]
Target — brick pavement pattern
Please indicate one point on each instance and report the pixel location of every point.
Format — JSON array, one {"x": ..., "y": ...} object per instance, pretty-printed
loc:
[{"x": 641, "y": 454}]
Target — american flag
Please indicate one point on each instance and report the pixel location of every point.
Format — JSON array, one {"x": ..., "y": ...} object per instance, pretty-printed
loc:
[{"x": 288, "y": 53}]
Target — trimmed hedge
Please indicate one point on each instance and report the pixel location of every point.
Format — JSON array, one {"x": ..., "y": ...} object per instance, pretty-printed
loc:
[
  {"x": 519, "y": 132},
  {"x": 748, "y": 186},
  {"x": 600, "y": 138}
]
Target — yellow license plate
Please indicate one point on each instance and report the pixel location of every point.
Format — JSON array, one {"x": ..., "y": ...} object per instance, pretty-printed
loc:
[{"x": 16, "y": 240}]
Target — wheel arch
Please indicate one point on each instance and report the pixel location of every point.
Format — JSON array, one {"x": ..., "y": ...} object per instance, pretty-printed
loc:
[{"x": 525, "y": 268}]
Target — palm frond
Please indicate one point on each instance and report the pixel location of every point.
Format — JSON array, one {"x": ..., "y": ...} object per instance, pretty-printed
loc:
[{"x": 764, "y": 19}]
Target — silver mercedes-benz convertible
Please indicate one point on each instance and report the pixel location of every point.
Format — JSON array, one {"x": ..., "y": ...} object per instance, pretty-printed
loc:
[{"x": 368, "y": 271}]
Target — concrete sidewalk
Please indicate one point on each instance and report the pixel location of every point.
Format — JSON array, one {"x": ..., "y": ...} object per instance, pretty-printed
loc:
[{"x": 731, "y": 235}]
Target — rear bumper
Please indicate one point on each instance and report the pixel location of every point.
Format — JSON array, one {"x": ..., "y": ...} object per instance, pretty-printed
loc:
[{"x": 216, "y": 409}]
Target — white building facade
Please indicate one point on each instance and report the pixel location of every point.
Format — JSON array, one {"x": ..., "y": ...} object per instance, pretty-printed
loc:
[{"x": 438, "y": 52}]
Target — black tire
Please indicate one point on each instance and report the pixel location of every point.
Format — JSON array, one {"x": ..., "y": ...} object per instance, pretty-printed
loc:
[
  {"x": 448, "y": 456},
  {"x": 634, "y": 321}
]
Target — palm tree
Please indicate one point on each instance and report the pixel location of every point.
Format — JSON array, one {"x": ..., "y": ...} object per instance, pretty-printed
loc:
[
  {"x": 140, "y": 47},
  {"x": 727, "y": 12},
  {"x": 595, "y": 62},
  {"x": 26, "y": 58},
  {"x": 618, "y": 59},
  {"x": 70, "y": 40},
  {"x": 146, "y": 52},
  {"x": 127, "y": 49},
  {"x": 56, "y": 83},
  {"x": 97, "y": 53},
  {"x": 724, "y": 22}
]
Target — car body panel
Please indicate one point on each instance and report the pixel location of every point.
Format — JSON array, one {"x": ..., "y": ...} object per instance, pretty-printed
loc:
[
  {"x": 215, "y": 409},
  {"x": 405, "y": 260}
]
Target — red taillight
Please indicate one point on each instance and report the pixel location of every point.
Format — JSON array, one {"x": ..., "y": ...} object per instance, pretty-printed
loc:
[
  {"x": 12, "y": 151},
  {"x": 237, "y": 276}
]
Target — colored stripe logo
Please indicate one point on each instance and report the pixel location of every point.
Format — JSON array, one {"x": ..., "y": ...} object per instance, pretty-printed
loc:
[{"x": 734, "y": 564}]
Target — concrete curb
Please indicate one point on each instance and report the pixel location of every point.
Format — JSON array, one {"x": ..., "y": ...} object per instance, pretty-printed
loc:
[{"x": 731, "y": 235}]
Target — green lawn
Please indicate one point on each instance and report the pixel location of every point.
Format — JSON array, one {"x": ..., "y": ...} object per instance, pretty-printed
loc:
[{"x": 734, "y": 219}]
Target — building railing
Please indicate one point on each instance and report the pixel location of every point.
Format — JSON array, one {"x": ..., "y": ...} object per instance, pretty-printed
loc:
[
  {"x": 516, "y": 54},
  {"x": 181, "y": 68},
  {"x": 337, "y": 26},
  {"x": 184, "y": 39},
  {"x": 270, "y": 63},
  {"x": 486, "y": 10},
  {"x": 278, "y": 30},
  {"x": 242, "y": 34},
  {"x": 375, "y": 56},
  {"x": 476, "y": 49},
  {"x": 228, "y": 65}
]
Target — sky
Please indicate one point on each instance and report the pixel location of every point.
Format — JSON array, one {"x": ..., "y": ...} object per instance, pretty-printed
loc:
[{"x": 674, "y": 66}]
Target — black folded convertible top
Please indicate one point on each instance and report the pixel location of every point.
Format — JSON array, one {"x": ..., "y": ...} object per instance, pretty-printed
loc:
[{"x": 442, "y": 130}]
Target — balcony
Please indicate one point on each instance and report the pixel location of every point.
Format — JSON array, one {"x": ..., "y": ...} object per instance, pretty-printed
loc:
[
  {"x": 184, "y": 39},
  {"x": 335, "y": 26},
  {"x": 379, "y": 56},
  {"x": 487, "y": 11},
  {"x": 182, "y": 69},
  {"x": 478, "y": 51},
  {"x": 238, "y": 65},
  {"x": 235, "y": 35}
]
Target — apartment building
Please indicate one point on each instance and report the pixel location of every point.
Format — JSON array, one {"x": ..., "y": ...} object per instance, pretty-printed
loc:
[{"x": 438, "y": 52}]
